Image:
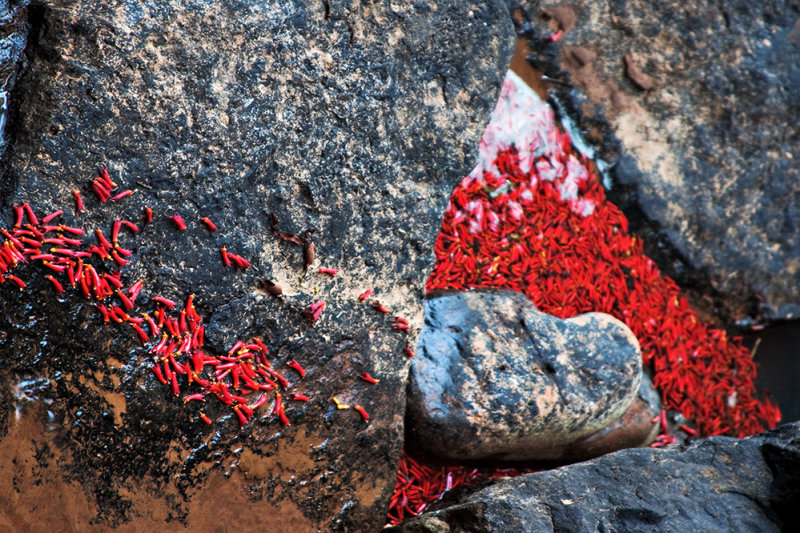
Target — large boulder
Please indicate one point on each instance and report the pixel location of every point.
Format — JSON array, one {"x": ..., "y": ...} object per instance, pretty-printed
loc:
[
  {"x": 695, "y": 109},
  {"x": 717, "y": 484},
  {"x": 351, "y": 119},
  {"x": 496, "y": 379}
]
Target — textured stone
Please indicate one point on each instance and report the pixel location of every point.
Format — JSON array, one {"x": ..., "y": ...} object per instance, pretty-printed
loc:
[
  {"x": 355, "y": 119},
  {"x": 493, "y": 378},
  {"x": 696, "y": 110},
  {"x": 633, "y": 429},
  {"x": 717, "y": 484},
  {"x": 13, "y": 21}
]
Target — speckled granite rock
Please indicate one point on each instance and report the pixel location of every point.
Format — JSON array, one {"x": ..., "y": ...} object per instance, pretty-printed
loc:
[
  {"x": 717, "y": 484},
  {"x": 696, "y": 109},
  {"x": 493, "y": 378},
  {"x": 355, "y": 119}
]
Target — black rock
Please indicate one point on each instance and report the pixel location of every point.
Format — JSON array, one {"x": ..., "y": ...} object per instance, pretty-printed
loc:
[
  {"x": 696, "y": 109},
  {"x": 494, "y": 378},
  {"x": 351, "y": 122},
  {"x": 716, "y": 484}
]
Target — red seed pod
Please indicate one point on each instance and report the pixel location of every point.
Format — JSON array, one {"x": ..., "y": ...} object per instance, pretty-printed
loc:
[
  {"x": 201, "y": 396},
  {"x": 160, "y": 299},
  {"x": 29, "y": 212},
  {"x": 242, "y": 418},
  {"x": 362, "y": 412},
  {"x": 409, "y": 351},
  {"x": 131, "y": 226},
  {"x": 179, "y": 223},
  {"x": 51, "y": 216},
  {"x": 74, "y": 231},
  {"x": 330, "y": 271},
  {"x": 148, "y": 215},
  {"x": 142, "y": 333},
  {"x": 209, "y": 224},
  {"x": 127, "y": 303},
  {"x": 174, "y": 382},
  {"x": 104, "y": 176},
  {"x": 121, "y": 195},
  {"x": 366, "y": 377},
  {"x": 204, "y": 418},
  {"x": 379, "y": 306},
  {"x": 225, "y": 256},
  {"x": 299, "y": 397},
  {"x": 20, "y": 212},
  {"x": 56, "y": 285},
  {"x": 157, "y": 371},
  {"x": 284, "y": 419},
  {"x": 15, "y": 279},
  {"x": 294, "y": 364},
  {"x": 78, "y": 202}
]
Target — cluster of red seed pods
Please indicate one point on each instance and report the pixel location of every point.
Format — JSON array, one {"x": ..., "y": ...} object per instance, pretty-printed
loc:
[
  {"x": 243, "y": 379},
  {"x": 565, "y": 246}
]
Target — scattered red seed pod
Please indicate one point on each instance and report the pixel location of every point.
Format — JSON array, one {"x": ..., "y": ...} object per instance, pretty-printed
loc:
[
  {"x": 29, "y": 212},
  {"x": 362, "y": 412},
  {"x": 330, "y": 271},
  {"x": 20, "y": 213},
  {"x": 78, "y": 201},
  {"x": 409, "y": 351},
  {"x": 364, "y": 295},
  {"x": 159, "y": 375},
  {"x": 204, "y": 418},
  {"x": 102, "y": 240},
  {"x": 148, "y": 215},
  {"x": 299, "y": 397},
  {"x": 56, "y": 285},
  {"x": 74, "y": 231},
  {"x": 366, "y": 377},
  {"x": 238, "y": 261},
  {"x": 130, "y": 225},
  {"x": 315, "y": 310},
  {"x": 121, "y": 195},
  {"x": 379, "y": 306},
  {"x": 201, "y": 396},
  {"x": 402, "y": 327},
  {"x": 209, "y": 224},
  {"x": 143, "y": 336},
  {"x": 15, "y": 279},
  {"x": 165, "y": 301},
  {"x": 179, "y": 223},
  {"x": 688, "y": 430},
  {"x": 51, "y": 216},
  {"x": 294, "y": 364},
  {"x": 225, "y": 256},
  {"x": 106, "y": 178}
]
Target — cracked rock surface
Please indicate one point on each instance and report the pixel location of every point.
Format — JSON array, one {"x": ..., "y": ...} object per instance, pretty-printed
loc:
[{"x": 350, "y": 118}]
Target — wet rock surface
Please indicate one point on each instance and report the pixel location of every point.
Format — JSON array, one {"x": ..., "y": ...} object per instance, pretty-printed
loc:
[
  {"x": 14, "y": 36},
  {"x": 493, "y": 378},
  {"x": 717, "y": 484},
  {"x": 350, "y": 119},
  {"x": 696, "y": 110}
]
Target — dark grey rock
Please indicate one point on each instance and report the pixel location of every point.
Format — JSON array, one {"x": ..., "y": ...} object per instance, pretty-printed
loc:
[
  {"x": 14, "y": 36},
  {"x": 354, "y": 119},
  {"x": 717, "y": 484},
  {"x": 494, "y": 378},
  {"x": 697, "y": 109}
]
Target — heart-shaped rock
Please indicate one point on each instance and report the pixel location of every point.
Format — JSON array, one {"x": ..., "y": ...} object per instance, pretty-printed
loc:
[{"x": 494, "y": 378}]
